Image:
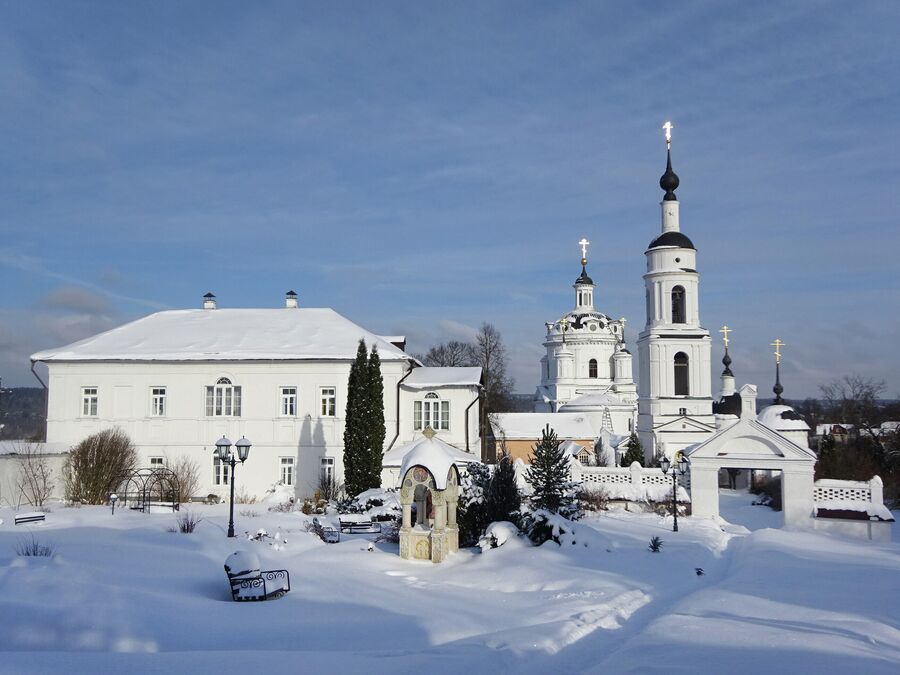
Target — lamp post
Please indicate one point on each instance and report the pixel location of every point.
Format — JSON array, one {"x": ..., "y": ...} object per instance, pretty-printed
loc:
[
  {"x": 225, "y": 454},
  {"x": 112, "y": 500},
  {"x": 677, "y": 469}
]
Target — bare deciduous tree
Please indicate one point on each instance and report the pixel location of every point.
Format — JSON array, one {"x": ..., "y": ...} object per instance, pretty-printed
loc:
[
  {"x": 97, "y": 464},
  {"x": 186, "y": 480},
  {"x": 35, "y": 481},
  {"x": 854, "y": 399},
  {"x": 453, "y": 354},
  {"x": 490, "y": 354}
]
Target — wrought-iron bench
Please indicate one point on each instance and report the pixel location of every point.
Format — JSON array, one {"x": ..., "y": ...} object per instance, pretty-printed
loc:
[
  {"x": 366, "y": 526},
  {"x": 248, "y": 583},
  {"x": 326, "y": 533},
  {"x": 24, "y": 518}
]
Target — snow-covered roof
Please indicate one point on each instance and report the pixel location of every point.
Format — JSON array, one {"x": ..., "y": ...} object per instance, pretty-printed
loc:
[
  {"x": 228, "y": 335},
  {"x": 781, "y": 418},
  {"x": 828, "y": 427},
  {"x": 17, "y": 447},
  {"x": 591, "y": 400},
  {"x": 530, "y": 425},
  {"x": 435, "y": 377},
  {"x": 572, "y": 448},
  {"x": 434, "y": 454}
]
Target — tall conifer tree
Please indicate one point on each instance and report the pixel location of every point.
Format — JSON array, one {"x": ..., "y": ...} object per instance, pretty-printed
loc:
[
  {"x": 503, "y": 499},
  {"x": 356, "y": 441},
  {"x": 375, "y": 419}
]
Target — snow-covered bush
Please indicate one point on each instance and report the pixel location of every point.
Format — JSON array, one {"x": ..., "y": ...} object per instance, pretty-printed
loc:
[
  {"x": 471, "y": 513},
  {"x": 542, "y": 526},
  {"x": 390, "y": 532},
  {"x": 280, "y": 498},
  {"x": 769, "y": 491},
  {"x": 377, "y": 503},
  {"x": 497, "y": 534},
  {"x": 593, "y": 498}
]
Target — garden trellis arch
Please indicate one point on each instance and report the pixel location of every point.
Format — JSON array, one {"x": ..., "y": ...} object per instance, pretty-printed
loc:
[{"x": 141, "y": 486}]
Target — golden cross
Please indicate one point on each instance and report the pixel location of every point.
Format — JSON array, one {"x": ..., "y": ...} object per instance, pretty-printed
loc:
[
  {"x": 583, "y": 244},
  {"x": 668, "y": 126},
  {"x": 778, "y": 344},
  {"x": 564, "y": 324},
  {"x": 725, "y": 330}
]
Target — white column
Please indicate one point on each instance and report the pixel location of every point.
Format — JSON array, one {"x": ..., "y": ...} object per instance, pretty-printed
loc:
[
  {"x": 704, "y": 492},
  {"x": 797, "y": 497}
]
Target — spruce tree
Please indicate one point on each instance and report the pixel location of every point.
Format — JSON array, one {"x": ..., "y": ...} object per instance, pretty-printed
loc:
[
  {"x": 548, "y": 475},
  {"x": 503, "y": 499},
  {"x": 635, "y": 452},
  {"x": 356, "y": 442},
  {"x": 374, "y": 420}
]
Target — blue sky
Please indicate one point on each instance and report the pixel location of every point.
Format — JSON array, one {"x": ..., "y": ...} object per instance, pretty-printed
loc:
[{"x": 423, "y": 167}]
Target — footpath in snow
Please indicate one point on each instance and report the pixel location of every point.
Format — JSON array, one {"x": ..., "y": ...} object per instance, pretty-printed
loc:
[{"x": 124, "y": 594}]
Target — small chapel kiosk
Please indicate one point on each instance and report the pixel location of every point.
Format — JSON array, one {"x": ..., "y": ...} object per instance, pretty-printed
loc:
[{"x": 429, "y": 481}]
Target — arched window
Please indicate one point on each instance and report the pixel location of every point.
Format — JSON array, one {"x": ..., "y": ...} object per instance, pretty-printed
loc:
[
  {"x": 678, "y": 314},
  {"x": 682, "y": 387},
  {"x": 592, "y": 368},
  {"x": 432, "y": 412},
  {"x": 223, "y": 399}
]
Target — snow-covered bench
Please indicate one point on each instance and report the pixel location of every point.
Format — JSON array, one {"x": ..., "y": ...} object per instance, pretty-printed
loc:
[
  {"x": 34, "y": 517},
  {"x": 248, "y": 583},
  {"x": 326, "y": 533},
  {"x": 361, "y": 526}
]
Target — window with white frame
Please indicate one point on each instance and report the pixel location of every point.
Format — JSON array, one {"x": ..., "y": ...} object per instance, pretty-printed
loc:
[
  {"x": 157, "y": 462},
  {"x": 89, "y": 400},
  {"x": 289, "y": 401},
  {"x": 328, "y": 396},
  {"x": 223, "y": 399},
  {"x": 431, "y": 412},
  {"x": 220, "y": 472},
  {"x": 287, "y": 470},
  {"x": 327, "y": 469},
  {"x": 158, "y": 401}
]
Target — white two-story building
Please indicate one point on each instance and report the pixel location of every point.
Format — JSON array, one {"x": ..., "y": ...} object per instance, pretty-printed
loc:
[{"x": 176, "y": 381}]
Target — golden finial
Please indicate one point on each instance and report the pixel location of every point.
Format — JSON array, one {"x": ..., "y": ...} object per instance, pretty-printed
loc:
[
  {"x": 725, "y": 330},
  {"x": 778, "y": 344},
  {"x": 668, "y": 126}
]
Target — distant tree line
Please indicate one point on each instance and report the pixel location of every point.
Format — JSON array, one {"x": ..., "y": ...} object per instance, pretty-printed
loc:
[
  {"x": 23, "y": 413},
  {"x": 867, "y": 450}
]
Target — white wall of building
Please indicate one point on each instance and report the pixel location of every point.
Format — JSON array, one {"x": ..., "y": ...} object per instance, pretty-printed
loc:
[{"x": 124, "y": 392}]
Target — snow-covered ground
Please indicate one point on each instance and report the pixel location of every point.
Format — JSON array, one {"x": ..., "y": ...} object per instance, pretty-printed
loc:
[{"x": 122, "y": 594}]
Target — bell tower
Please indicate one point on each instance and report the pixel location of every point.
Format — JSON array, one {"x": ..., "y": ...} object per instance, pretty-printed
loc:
[{"x": 674, "y": 385}]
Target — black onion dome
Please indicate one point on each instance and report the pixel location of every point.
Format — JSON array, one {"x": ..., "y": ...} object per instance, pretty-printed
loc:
[
  {"x": 584, "y": 278},
  {"x": 669, "y": 180},
  {"x": 726, "y": 361},
  {"x": 677, "y": 239}
]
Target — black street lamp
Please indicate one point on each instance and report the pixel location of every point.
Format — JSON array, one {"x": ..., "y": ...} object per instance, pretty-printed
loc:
[
  {"x": 677, "y": 470},
  {"x": 224, "y": 454}
]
